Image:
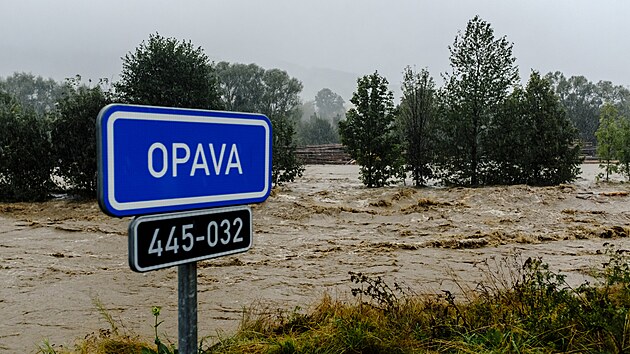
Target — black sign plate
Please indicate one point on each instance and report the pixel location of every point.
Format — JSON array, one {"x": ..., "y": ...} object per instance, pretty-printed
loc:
[{"x": 166, "y": 240}]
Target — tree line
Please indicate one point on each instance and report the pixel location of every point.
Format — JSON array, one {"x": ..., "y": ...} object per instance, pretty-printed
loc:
[
  {"x": 482, "y": 127},
  {"x": 47, "y": 129}
]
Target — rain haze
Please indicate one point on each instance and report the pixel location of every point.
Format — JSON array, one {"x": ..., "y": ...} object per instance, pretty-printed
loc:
[{"x": 323, "y": 43}]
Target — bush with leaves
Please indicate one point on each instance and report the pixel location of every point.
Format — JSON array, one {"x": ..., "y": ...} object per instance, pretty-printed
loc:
[
  {"x": 168, "y": 72},
  {"x": 531, "y": 140},
  {"x": 368, "y": 133},
  {"x": 415, "y": 118},
  {"x": 26, "y": 162},
  {"x": 483, "y": 73},
  {"x": 74, "y": 137}
]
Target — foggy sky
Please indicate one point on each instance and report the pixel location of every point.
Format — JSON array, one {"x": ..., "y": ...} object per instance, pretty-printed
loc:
[{"x": 324, "y": 43}]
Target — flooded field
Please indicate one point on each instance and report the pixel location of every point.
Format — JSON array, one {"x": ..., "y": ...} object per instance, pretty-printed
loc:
[{"x": 58, "y": 257}]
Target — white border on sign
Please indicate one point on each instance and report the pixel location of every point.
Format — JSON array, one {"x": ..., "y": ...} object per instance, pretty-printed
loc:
[{"x": 111, "y": 196}]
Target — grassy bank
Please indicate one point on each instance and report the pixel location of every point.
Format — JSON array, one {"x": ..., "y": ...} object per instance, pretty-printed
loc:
[{"x": 521, "y": 307}]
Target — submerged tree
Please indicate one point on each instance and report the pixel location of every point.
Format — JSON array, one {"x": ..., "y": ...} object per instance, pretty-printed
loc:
[
  {"x": 26, "y": 162},
  {"x": 280, "y": 102},
  {"x": 532, "y": 140},
  {"x": 552, "y": 141},
  {"x": 415, "y": 116},
  {"x": 73, "y": 134},
  {"x": 608, "y": 138},
  {"x": 368, "y": 131},
  {"x": 483, "y": 72}
]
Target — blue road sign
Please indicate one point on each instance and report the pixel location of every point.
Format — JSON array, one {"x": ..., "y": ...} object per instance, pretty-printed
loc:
[{"x": 157, "y": 159}]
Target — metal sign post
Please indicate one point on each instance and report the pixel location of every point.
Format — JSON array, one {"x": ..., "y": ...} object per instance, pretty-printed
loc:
[
  {"x": 163, "y": 165},
  {"x": 187, "y": 308}
]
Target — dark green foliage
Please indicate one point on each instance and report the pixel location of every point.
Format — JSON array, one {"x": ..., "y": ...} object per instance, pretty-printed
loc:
[
  {"x": 26, "y": 161},
  {"x": 74, "y": 137},
  {"x": 286, "y": 166},
  {"x": 415, "y": 118},
  {"x": 483, "y": 71},
  {"x": 317, "y": 131},
  {"x": 280, "y": 102},
  {"x": 531, "y": 140},
  {"x": 166, "y": 72},
  {"x": 241, "y": 86},
  {"x": 250, "y": 88},
  {"x": 368, "y": 132}
]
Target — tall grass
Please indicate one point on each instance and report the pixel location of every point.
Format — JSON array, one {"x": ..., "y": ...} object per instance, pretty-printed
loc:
[{"x": 521, "y": 307}]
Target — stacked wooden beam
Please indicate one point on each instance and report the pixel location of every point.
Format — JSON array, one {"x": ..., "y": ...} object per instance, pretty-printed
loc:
[{"x": 328, "y": 154}]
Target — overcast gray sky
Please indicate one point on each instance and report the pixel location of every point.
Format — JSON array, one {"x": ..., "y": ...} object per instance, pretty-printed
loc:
[{"x": 61, "y": 38}]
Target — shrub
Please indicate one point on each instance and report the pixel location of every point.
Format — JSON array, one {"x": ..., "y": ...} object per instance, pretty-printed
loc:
[
  {"x": 74, "y": 137},
  {"x": 26, "y": 160}
]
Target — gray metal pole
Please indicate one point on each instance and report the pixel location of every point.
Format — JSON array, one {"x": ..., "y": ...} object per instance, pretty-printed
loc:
[{"x": 187, "y": 307}]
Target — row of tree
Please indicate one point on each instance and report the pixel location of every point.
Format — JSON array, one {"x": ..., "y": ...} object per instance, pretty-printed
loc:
[
  {"x": 47, "y": 135},
  {"x": 47, "y": 130},
  {"x": 583, "y": 100},
  {"x": 613, "y": 140},
  {"x": 480, "y": 128}
]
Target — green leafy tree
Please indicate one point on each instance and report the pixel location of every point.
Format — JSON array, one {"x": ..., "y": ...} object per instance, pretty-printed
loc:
[
  {"x": 368, "y": 132},
  {"x": 608, "y": 138},
  {"x": 74, "y": 137},
  {"x": 250, "y": 88},
  {"x": 280, "y": 102},
  {"x": 33, "y": 91},
  {"x": 166, "y": 72},
  {"x": 508, "y": 141},
  {"x": 623, "y": 152},
  {"x": 240, "y": 86},
  {"x": 26, "y": 161},
  {"x": 616, "y": 94},
  {"x": 483, "y": 72},
  {"x": 329, "y": 105},
  {"x": 532, "y": 140},
  {"x": 581, "y": 100},
  {"x": 552, "y": 150},
  {"x": 415, "y": 116}
]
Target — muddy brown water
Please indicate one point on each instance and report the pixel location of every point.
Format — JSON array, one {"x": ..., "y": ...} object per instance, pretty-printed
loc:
[{"x": 57, "y": 257}]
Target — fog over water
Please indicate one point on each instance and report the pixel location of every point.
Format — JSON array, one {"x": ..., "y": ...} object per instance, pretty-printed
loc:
[{"x": 324, "y": 43}]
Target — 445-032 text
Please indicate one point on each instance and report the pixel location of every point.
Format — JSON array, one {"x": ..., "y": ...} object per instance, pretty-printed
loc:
[{"x": 159, "y": 241}]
